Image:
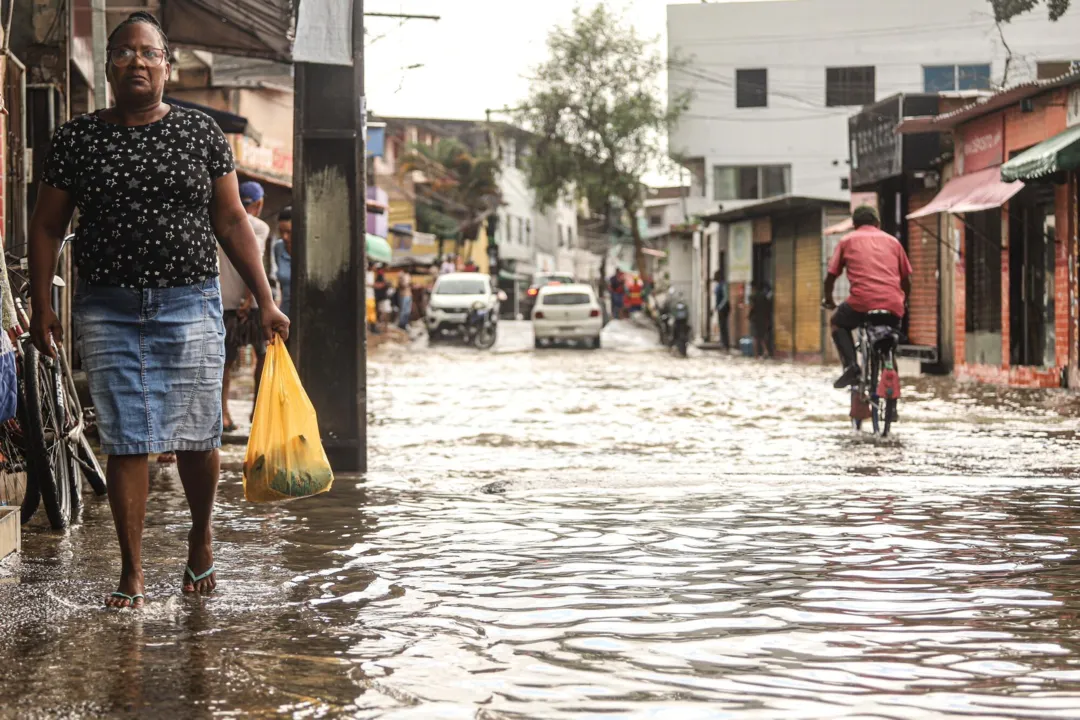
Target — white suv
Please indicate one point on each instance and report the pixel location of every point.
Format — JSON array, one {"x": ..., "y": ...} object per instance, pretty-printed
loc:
[{"x": 453, "y": 297}]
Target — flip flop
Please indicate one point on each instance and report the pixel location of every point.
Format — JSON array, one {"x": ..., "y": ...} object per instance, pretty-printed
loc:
[
  {"x": 195, "y": 579},
  {"x": 130, "y": 598},
  {"x": 230, "y": 428}
]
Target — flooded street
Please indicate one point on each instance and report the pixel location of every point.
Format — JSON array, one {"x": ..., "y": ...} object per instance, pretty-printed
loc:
[{"x": 596, "y": 534}]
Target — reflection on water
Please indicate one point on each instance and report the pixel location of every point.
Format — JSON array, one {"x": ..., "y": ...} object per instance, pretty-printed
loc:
[{"x": 614, "y": 534}]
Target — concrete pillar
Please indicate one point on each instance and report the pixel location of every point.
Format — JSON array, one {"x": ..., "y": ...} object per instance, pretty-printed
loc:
[{"x": 329, "y": 338}]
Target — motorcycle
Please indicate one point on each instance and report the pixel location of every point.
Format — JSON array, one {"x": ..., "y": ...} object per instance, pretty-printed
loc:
[
  {"x": 674, "y": 322},
  {"x": 480, "y": 327}
]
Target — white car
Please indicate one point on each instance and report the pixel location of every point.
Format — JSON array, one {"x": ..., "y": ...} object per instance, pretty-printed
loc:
[
  {"x": 567, "y": 312},
  {"x": 453, "y": 297}
]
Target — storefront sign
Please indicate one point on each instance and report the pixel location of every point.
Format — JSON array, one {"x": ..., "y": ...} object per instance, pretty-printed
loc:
[
  {"x": 875, "y": 146},
  {"x": 981, "y": 144},
  {"x": 740, "y": 252},
  {"x": 262, "y": 159}
]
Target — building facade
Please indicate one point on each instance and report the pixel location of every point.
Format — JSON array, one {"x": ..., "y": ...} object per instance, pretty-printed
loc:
[
  {"x": 775, "y": 82},
  {"x": 1007, "y": 213}
]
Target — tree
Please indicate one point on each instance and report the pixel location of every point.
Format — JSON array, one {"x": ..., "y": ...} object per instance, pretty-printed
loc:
[
  {"x": 1006, "y": 10},
  {"x": 460, "y": 190},
  {"x": 594, "y": 107}
]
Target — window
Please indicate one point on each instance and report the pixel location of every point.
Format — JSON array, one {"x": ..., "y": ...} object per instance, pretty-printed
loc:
[
  {"x": 751, "y": 88},
  {"x": 520, "y": 233},
  {"x": 460, "y": 286},
  {"x": 656, "y": 219},
  {"x": 1056, "y": 68},
  {"x": 972, "y": 77},
  {"x": 566, "y": 298},
  {"x": 775, "y": 180},
  {"x": 750, "y": 182},
  {"x": 528, "y": 232},
  {"x": 849, "y": 86},
  {"x": 948, "y": 78}
]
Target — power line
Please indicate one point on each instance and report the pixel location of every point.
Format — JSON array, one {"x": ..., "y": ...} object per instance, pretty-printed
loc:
[{"x": 866, "y": 33}]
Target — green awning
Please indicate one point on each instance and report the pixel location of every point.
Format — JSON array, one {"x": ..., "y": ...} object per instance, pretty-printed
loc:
[
  {"x": 1061, "y": 152},
  {"x": 378, "y": 250}
]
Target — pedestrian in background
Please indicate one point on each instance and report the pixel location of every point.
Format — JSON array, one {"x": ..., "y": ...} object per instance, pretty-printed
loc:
[
  {"x": 283, "y": 259},
  {"x": 405, "y": 299},
  {"x": 243, "y": 327},
  {"x": 156, "y": 190},
  {"x": 448, "y": 265},
  {"x": 723, "y": 308},
  {"x": 617, "y": 285},
  {"x": 761, "y": 319},
  {"x": 383, "y": 306}
]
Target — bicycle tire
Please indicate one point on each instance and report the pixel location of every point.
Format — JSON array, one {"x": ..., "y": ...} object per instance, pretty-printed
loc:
[
  {"x": 875, "y": 401},
  {"x": 46, "y": 442}
]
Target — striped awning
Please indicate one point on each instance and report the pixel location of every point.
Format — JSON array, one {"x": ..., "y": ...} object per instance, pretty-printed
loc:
[{"x": 1061, "y": 152}]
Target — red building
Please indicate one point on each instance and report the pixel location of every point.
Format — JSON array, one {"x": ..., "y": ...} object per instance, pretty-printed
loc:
[{"x": 1005, "y": 215}]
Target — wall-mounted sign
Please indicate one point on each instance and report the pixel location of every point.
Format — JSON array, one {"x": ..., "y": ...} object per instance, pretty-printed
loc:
[
  {"x": 981, "y": 144},
  {"x": 741, "y": 252},
  {"x": 875, "y": 146}
]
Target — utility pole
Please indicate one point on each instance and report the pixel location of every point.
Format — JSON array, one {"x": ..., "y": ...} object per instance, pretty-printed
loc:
[
  {"x": 98, "y": 40},
  {"x": 329, "y": 342}
]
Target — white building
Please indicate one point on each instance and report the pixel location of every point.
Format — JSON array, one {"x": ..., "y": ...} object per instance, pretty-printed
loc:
[
  {"x": 537, "y": 240},
  {"x": 775, "y": 82}
]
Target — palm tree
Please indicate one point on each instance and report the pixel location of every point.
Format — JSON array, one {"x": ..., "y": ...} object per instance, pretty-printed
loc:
[{"x": 456, "y": 185}]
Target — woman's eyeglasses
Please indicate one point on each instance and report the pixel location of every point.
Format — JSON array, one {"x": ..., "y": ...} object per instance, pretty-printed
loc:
[{"x": 122, "y": 57}]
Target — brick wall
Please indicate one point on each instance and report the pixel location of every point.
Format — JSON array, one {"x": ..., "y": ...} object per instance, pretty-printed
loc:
[
  {"x": 1063, "y": 279},
  {"x": 959, "y": 297},
  {"x": 923, "y": 254}
]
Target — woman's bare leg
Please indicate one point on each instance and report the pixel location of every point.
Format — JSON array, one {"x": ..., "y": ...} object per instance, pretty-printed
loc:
[
  {"x": 199, "y": 474},
  {"x": 129, "y": 483}
]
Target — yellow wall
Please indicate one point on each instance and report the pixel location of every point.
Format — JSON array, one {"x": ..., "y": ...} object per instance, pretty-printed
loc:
[{"x": 403, "y": 212}]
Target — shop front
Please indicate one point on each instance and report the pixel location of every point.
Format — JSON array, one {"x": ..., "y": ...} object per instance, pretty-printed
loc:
[
  {"x": 896, "y": 175},
  {"x": 774, "y": 257},
  {"x": 1010, "y": 207}
]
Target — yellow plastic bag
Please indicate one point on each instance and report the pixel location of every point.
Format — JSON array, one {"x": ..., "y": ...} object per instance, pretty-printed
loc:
[{"x": 285, "y": 457}]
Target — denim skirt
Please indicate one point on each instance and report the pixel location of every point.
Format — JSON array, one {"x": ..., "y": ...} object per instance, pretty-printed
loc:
[{"x": 154, "y": 360}]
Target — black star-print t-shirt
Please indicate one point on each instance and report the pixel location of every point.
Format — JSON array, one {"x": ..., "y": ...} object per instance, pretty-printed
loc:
[{"x": 143, "y": 195}]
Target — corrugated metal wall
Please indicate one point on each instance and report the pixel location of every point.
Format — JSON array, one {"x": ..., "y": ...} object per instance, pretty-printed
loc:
[
  {"x": 808, "y": 287},
  {"x": 784, "y": 233}
]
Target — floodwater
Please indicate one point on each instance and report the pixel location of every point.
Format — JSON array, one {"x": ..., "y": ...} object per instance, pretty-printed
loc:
[{"x": 611, "y": 534}]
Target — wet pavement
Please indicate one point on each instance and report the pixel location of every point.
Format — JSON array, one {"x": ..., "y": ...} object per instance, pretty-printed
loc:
[{"x": 597, "y": 534}]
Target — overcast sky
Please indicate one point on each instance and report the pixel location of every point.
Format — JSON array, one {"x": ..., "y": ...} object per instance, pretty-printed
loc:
[{"x": 477, "y": 56}]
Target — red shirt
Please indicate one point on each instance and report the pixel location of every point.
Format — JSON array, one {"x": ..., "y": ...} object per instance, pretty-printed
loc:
[{"x": 875, "y": 263}]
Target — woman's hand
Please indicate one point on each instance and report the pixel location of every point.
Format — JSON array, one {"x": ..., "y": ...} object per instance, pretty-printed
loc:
[
  {"x": 274, "y": 323},
  {"x": 45, "y": 330}
]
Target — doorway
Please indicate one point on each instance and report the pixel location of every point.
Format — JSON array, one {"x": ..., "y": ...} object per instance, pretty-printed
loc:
[{"x": 1032, "y": 241}]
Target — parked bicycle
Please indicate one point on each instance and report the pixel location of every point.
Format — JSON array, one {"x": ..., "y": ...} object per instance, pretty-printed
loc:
[
  {"x": 47, "y": 438},
  {"x": 877, "y": 393}
]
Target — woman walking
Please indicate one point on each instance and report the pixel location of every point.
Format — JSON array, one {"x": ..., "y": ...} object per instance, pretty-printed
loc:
[{"x": 156, "y": 191}]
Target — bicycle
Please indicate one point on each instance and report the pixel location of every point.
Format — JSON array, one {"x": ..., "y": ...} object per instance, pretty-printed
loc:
[
  {"x": 47, "y": 438},
  {"x": 877, "y": 392}
]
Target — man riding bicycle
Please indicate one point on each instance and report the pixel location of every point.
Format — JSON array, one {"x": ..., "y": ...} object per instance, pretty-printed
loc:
[{"x": 880, "y": 277}]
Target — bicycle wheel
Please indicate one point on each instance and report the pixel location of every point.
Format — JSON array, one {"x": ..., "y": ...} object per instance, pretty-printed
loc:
[
  {"x": 81, "y": 451},
  {"x": 876, "y": 413},
  {"x": 47, "y": 444}
]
